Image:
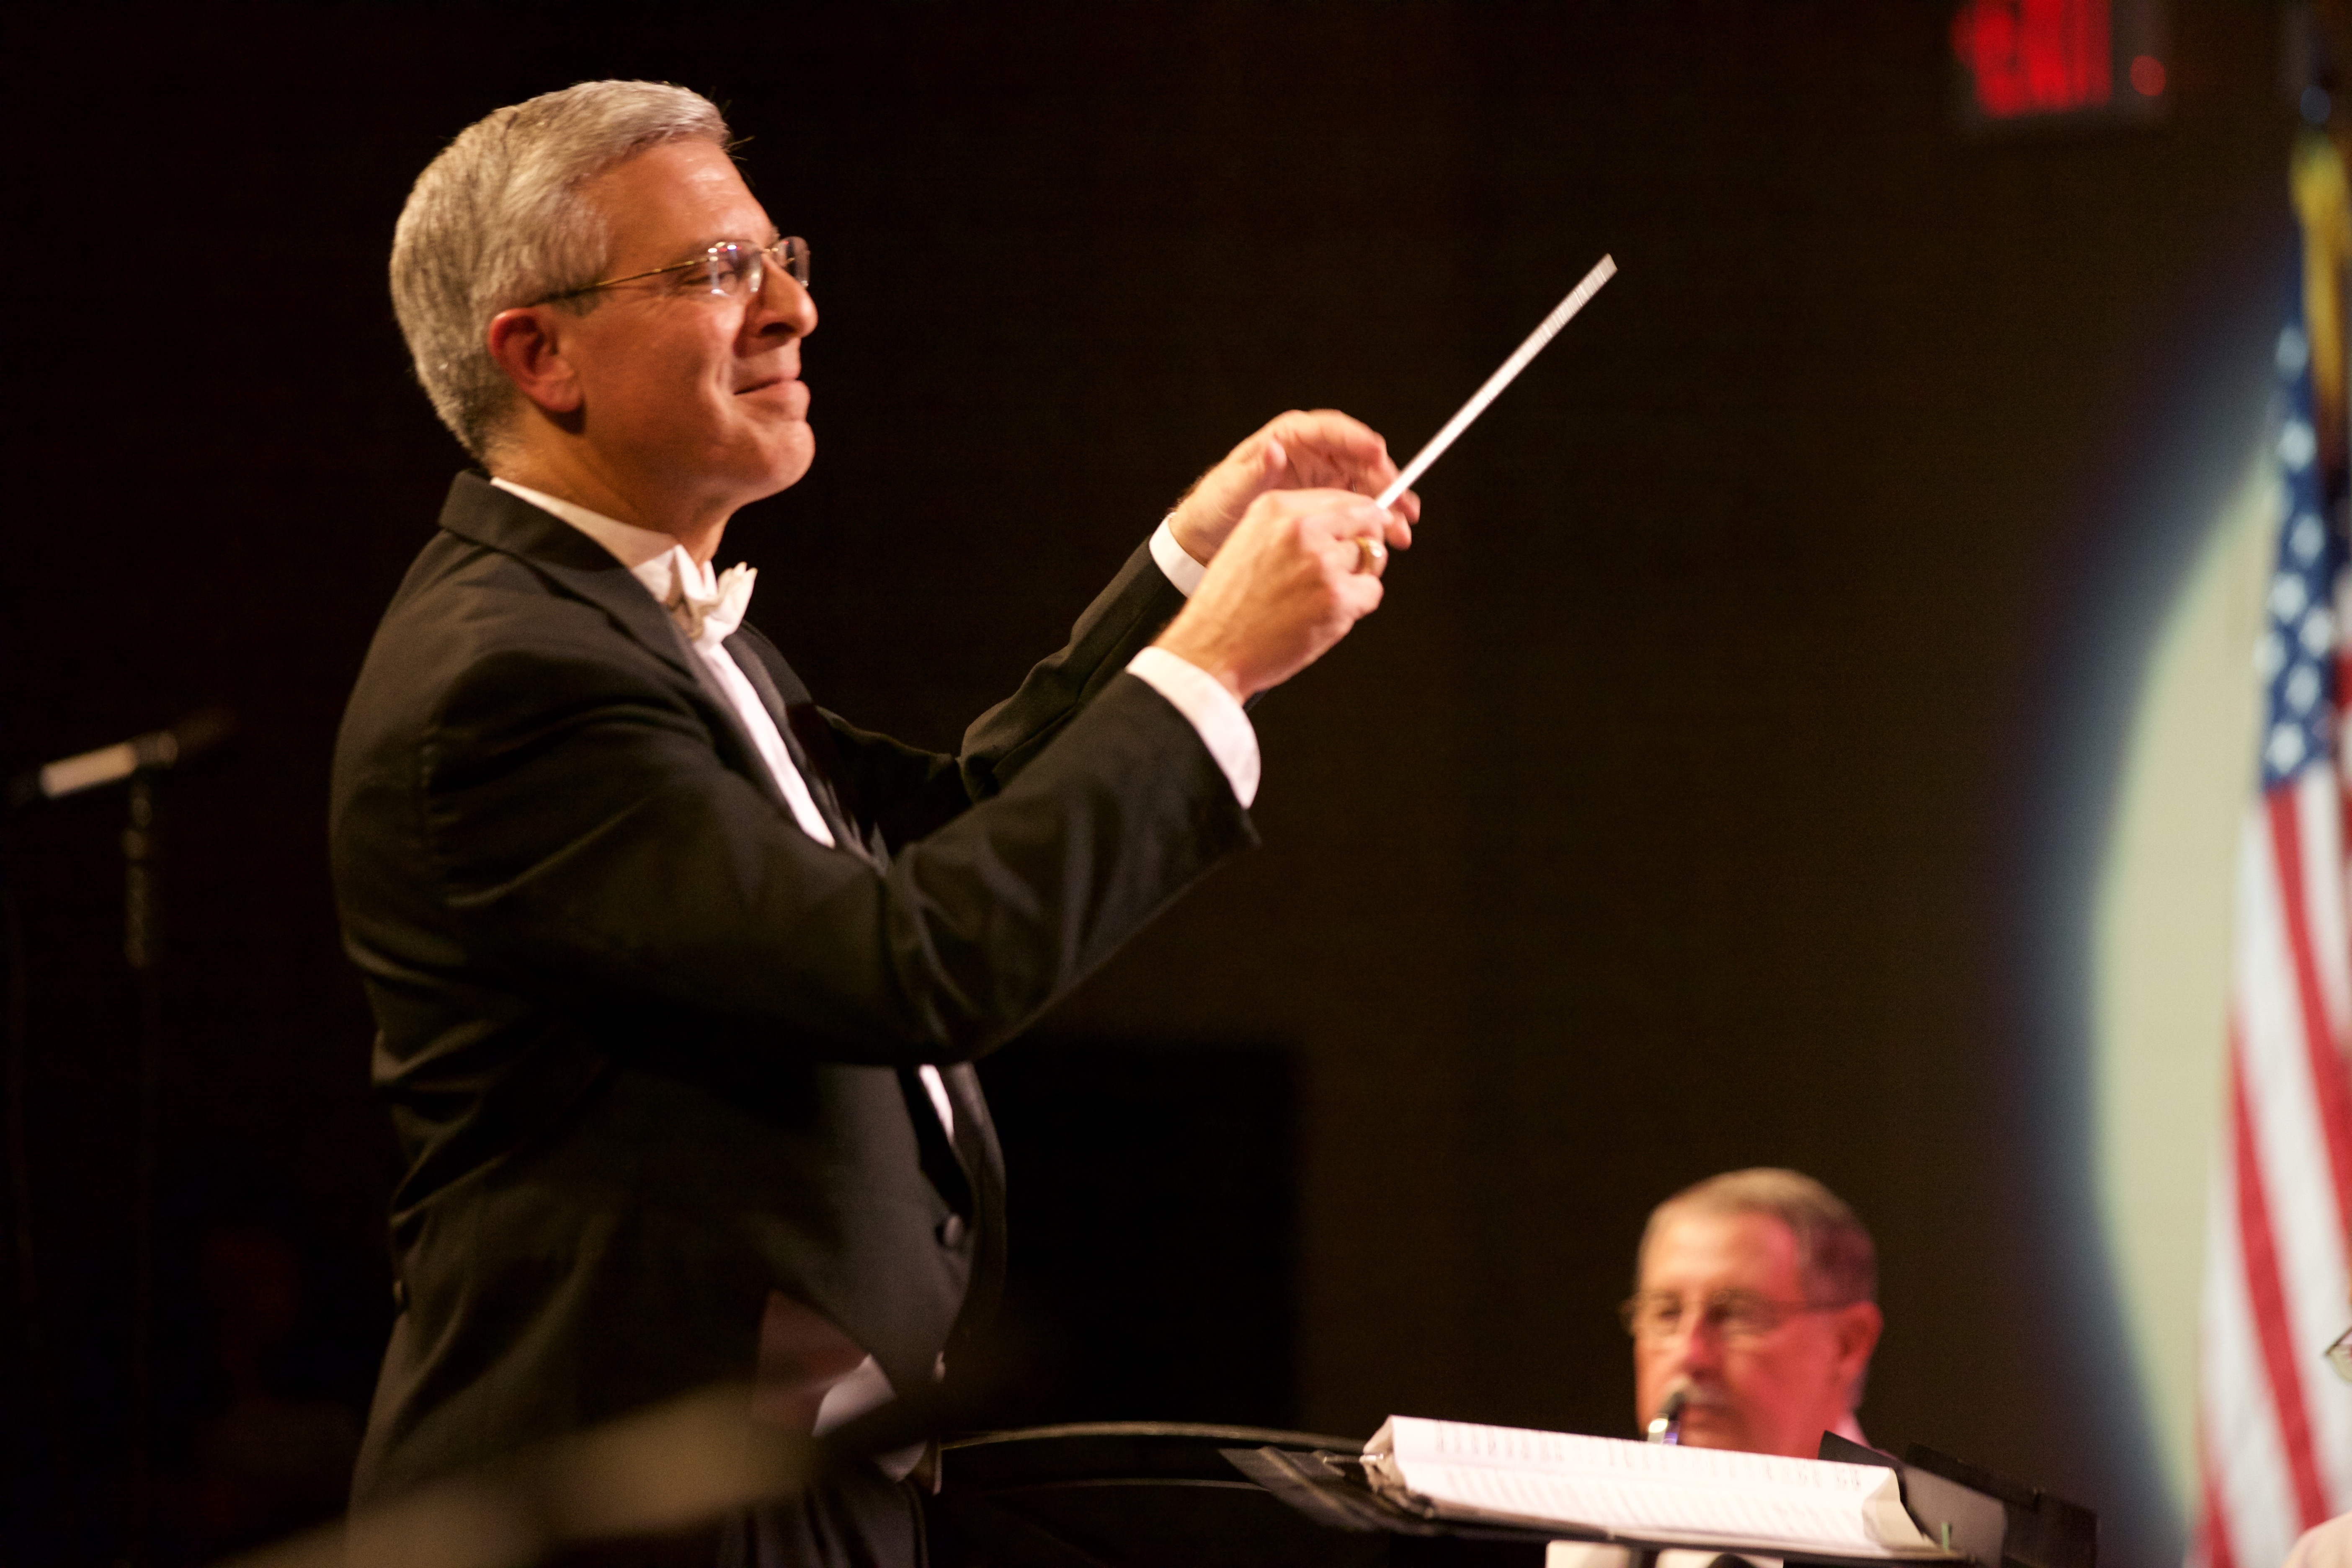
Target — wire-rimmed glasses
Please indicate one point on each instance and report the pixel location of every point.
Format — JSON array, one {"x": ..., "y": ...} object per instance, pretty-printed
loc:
[
  {"x": 2339, "y": 1355},
  {"x": 1737, "y": 1315},
  {"x": 730, "y": 269}
]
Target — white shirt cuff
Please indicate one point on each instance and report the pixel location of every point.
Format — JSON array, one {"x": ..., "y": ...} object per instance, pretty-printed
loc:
[
  {"x": 1222, "y": 725},
  {"x": 864, "y": 1387},
  {"x": 1181, "y": 569}
]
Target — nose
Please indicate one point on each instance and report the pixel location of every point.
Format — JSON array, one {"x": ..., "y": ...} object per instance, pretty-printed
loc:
[
  {"x": 781, "y": 306},
  {"x": 1695, "y": 1343}
]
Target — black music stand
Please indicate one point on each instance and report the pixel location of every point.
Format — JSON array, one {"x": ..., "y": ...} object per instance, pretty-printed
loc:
[{"x": 1179, "y": 1495}]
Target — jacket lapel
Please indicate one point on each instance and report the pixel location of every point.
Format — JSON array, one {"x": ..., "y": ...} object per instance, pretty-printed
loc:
[
  {"x": 480, "y": 511},
  {"x": 579, "y": 567},
  {"x": 983, "y": 1166},
  {"x": 802, "y": 729}
]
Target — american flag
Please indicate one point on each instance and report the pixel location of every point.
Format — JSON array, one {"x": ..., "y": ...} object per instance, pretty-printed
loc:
[{"x": 2275, "y": 1429}]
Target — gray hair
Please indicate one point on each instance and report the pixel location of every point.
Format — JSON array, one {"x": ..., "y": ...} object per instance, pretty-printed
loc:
[
  {"x": 497, "y": 221},
  {"x": 1835, "y": 1256}
]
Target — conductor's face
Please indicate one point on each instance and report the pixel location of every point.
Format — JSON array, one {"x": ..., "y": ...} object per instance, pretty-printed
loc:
[
  {"x": 1722, "y": 1309},
  {"x": 683, "y": 389}
]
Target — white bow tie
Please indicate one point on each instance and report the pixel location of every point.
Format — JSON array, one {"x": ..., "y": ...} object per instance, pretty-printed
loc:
[{"x": 709, "y": 608}]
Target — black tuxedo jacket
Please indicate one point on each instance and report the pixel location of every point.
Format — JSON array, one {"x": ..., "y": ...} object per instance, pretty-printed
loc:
[{"x": 649, "y": 1047}]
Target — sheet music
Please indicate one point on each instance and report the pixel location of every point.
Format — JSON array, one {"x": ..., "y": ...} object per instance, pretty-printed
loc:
[{"x": 1647, "y": 1490}]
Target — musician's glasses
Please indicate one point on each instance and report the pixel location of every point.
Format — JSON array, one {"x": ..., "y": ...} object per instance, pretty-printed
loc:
[
  {"x": 1736, "y": 1315},
  {"x": 2339, "y": 1355},
  {"x": 731, "y": 269}
]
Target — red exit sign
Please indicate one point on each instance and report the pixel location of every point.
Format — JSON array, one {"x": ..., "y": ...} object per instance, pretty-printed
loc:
[{"x": 2043, "y": 60}]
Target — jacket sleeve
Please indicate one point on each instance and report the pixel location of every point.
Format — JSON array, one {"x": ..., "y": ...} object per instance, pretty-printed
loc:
[
  {"x": 907, "y": 793},
  {"x": 586, "y": 837},
  {"x": 1120, "y": 623}
]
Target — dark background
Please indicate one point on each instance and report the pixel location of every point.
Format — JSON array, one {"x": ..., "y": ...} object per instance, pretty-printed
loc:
[{"x": 1715, "y": 787}]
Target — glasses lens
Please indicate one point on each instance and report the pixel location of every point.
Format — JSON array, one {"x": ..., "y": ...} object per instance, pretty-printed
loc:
[
  {"x": 724, "y": 270},
  {"x": 2339, "y": 1356},
  {"x": 1654, "y": 1316},
  {"x": 1745, "y": 1317},
  {"x": 750, "y": 273}
]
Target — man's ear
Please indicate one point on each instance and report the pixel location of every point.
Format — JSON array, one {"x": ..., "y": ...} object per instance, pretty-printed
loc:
[
  {"x": 1858, "y": 1327},
  {"x": 528, "y": 342}
]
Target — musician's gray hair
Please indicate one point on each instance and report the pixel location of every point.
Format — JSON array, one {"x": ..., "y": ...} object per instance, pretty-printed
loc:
[
  {"x": 498, "y": 220},
  {"x": 1835, "y": 1257}
]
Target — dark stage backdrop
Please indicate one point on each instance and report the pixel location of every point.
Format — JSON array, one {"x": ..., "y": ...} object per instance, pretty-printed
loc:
[{"x": 1687, "y": 806}]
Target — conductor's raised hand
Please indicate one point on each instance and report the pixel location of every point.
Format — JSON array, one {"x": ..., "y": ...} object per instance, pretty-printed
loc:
[
  {"x": 1302, "y": 567},
  {"x": 1324, "y": 449}
]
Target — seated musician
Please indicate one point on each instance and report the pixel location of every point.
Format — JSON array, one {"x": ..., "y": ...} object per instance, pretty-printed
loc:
[{"x": 1756, "y": 1302}]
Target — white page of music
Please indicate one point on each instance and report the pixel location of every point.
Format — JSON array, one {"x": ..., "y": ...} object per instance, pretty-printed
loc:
[{"x": 1650, "y": 1489}]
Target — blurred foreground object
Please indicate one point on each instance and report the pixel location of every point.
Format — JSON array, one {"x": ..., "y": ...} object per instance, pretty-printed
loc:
[{"x": 692, "y": 1461}]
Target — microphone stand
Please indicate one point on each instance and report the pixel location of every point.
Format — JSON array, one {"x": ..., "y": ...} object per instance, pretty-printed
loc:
[
  {"x": 141, "y": 761},
  {"x": 142, "y": 942}
]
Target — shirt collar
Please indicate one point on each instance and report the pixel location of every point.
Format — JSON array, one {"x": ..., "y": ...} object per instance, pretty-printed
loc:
[{"x": 673, "y": 577}]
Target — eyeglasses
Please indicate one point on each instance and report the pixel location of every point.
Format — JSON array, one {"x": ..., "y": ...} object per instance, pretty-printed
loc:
[
  {"x": 729, "y": 270},
  {"x": 1735, "y": 1314},
  {"x": 2339, "y": 1355}
]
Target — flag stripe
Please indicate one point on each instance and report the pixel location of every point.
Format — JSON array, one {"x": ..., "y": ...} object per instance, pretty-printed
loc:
[
  {"x": 2268, "y": 1298},
  {"x": 2331, "y": 1094},
  {"x": 2211, "y": 1542},
  {"x": 2240, "y": 1431},
  {"x": 2319, "y": 817},
  {"x": 2293, "y": 1073}
]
